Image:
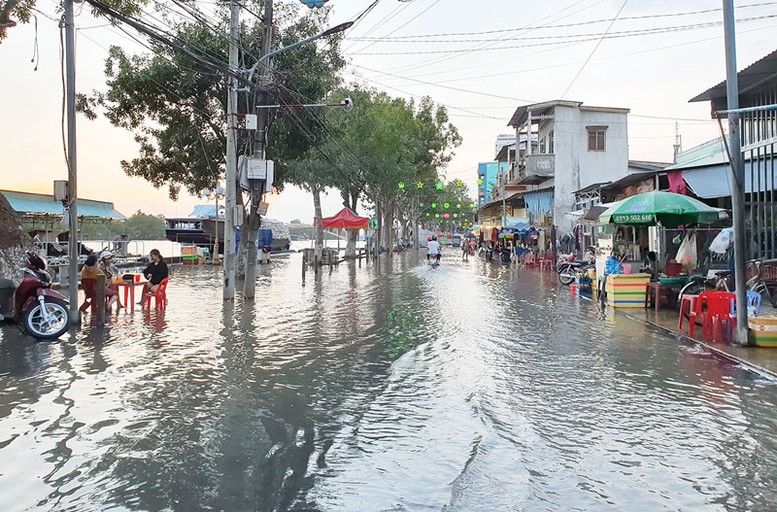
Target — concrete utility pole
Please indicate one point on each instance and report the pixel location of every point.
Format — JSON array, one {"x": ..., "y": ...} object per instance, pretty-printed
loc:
[
  {"x": 738, "y": 171},
  {"x": 72, "y": 185},
  {"x": 257, "y": 186},
  {"x": 230, "y": 210}
]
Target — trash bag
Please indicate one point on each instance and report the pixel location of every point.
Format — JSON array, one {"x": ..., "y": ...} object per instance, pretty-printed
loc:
[
  {"x": 686, "y": 254},
  {"x": 723, "y": 241}
]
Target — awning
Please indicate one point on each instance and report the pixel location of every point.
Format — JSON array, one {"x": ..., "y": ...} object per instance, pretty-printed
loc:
[
  {"x": 346, "y": 219},
  {"x": 710, "y": 182},
  {"x": 593, "y": 213},
  {"x": 29, "y": 204},
  {"x": 713, "y": 181}
]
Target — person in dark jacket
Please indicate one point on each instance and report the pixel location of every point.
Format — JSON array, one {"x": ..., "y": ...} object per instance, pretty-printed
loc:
[{"x": 155, "y": 272}]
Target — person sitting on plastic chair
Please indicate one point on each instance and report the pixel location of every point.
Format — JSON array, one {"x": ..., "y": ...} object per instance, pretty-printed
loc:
[{"x": 155, "y": 272}]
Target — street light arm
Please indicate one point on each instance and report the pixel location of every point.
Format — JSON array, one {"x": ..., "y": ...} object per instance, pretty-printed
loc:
[{"x": 328, "y": 32}]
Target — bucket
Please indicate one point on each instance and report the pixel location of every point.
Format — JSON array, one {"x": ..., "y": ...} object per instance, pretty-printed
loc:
[
  {"x": 763, "y": 330},
  {"x": 673, "y": 268}
]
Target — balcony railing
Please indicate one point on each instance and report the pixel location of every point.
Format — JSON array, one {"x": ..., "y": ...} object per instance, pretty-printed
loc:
[{"x": 535, "y": 169}]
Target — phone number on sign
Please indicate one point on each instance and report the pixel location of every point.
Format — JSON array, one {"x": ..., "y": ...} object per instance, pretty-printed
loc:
[{"x": 641, "y": 217}]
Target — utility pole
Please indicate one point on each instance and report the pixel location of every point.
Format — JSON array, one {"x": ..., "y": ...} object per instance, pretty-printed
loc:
[
  {"x": 258, "y": 186},
  {"x": 737, "y": 177},
  {"x": 231, "y": 208},
  {"x": 72, "y": 185}
]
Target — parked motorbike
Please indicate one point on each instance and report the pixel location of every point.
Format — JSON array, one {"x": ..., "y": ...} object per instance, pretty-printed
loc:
[
  {"x": 39, "y": 310},
  {"x": 569, "y": 270},
  {"x": 505, "y": 255}
]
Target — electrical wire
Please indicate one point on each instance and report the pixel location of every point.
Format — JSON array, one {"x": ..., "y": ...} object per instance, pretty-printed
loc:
[
  {"x": 596, "y": 47},
  {"x": 552, "y": 26},
  {"x": 582, "y": 39}
]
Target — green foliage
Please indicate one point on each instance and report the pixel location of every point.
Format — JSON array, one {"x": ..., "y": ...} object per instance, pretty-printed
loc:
[
  {"x": 176, "y": 107},
  {"x": 140, "y": 226},
  {"x": 21, "y": 10}
]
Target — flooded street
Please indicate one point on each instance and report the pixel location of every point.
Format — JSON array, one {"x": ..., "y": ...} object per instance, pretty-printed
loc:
[{"x": 471, "y": 387}]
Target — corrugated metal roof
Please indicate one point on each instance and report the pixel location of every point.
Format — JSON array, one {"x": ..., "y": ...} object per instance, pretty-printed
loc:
[
  {"x": 761, "y": 73},
  {"x": 27, "y": 203},
  {"x": 712, "y": 152}
]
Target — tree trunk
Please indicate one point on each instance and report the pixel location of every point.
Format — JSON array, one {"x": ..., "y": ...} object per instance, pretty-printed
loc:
[
  {"x": 388, "y": 228},
  {"x": 242, "y": 246},
  {"x": 350, "y": 246},
  {"x": 252, "y": 236},
  {"x": 14, "y": 243},
  {"x": 319, "y": 247},
  {"x": 378, "y": 235},
  {"x": 353, "y": 234}
]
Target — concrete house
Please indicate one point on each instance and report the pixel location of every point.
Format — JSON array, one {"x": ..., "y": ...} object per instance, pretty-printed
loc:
[{"x": 578, "y": 146}]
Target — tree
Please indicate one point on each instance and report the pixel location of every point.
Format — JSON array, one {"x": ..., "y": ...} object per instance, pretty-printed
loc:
[
  {"x": 14, "y": 243},
  {"x": 176, "y": 105},
  {"x": 384, "y": 141},
  {"x": 11, "y": 10}
]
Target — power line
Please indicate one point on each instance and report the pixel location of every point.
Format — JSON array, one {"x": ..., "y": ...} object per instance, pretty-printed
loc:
[
  {"x": 599, "y": 42},
  {"x": 582, "y": 39},
  {"x": 553, "y": 26}
]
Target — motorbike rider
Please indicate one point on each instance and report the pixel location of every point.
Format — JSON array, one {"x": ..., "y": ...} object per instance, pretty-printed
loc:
[{"x": 433, "y": 249}]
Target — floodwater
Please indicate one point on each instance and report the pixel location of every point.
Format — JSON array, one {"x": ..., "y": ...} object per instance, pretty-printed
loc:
[{"x": 471, "y": 387}]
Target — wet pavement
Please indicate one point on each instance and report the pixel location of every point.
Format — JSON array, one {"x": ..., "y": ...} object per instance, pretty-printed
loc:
[{"x": 470, "y": 387}]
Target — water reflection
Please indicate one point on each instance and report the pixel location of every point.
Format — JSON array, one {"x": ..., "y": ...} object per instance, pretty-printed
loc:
[{"x": 474, "y": 386}]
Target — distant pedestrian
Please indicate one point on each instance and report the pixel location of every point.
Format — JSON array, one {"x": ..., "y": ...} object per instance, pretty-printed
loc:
[{"x": 465, "y": 250}]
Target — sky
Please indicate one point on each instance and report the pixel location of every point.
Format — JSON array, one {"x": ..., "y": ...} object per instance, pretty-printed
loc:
[{"x": 479, "y": 59}]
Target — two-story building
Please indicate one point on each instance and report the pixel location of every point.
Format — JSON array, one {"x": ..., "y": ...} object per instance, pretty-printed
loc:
[{"x": 577, "y": 146}]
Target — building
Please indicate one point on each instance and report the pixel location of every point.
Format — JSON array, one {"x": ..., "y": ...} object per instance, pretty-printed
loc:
[
  {"x": 706, "y": 168},
  {"x": 578, "y": 146},
  {"x": 502, "y": 140},
  {"x": 488, "y": 179}
]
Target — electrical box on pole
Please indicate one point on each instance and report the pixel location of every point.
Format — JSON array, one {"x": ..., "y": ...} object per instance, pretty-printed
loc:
[
  {"x": 60, "y": 191},
  {"x": 256, "y": 169}
]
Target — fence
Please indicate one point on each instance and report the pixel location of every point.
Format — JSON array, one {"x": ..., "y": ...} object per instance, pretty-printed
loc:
[{"x": 758, "y": 129}]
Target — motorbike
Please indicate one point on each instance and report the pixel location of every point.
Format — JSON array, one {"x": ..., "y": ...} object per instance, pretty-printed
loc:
[
  {"x": 505, "y": 255},
  {"x": 34, "y": 306},
  {"x": 568, "y": 270}
]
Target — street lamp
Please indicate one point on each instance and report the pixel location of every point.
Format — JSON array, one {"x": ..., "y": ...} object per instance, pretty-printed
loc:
[
  {"x": 328, "y": 32},
  {"x": 217, "y": 193}
]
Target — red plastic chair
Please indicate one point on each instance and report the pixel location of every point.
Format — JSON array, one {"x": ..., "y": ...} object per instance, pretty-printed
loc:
[
  {"x": 714, "y": 307},
  {"x": 88, "y": 286},
  {"x": 719, "y": 311},
  {"x": 159, "y": 296},
  {"x": 690, "y": 300},
  {"x": 528, "y": 258},
  {"x": 698, "y": 311}
]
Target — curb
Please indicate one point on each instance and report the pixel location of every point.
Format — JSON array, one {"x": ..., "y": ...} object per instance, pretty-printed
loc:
[
  {"x": 748, "y": 365},
  {"x": 763, "y": 372}
]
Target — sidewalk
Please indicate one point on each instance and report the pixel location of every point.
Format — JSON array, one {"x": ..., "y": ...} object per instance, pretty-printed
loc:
[{"x": 759, "y": 359}]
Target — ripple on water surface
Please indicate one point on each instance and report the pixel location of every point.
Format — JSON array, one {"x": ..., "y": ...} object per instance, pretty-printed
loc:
[{"x": 464, "y": 388}]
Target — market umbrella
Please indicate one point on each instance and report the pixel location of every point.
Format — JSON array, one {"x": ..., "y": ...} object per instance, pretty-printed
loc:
[{"x": 668, "y": 209}]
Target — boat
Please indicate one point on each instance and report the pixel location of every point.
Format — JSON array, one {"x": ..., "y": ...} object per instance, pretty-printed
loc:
[{"x": 202, "y": 225}]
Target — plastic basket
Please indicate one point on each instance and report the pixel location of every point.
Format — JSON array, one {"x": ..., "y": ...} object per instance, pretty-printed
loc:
[{"x": 769, "y": 273}]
